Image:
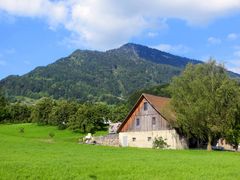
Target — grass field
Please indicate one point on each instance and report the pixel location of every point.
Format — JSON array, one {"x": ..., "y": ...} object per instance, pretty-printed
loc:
[{"x": 34, "y": 155}]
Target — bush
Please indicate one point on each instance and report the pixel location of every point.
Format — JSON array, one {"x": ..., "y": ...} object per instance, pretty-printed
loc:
[
  {"x": 159, "y": 143},
  {"x": 21, "y": 130},
  {"x": 51, "y": 134}
]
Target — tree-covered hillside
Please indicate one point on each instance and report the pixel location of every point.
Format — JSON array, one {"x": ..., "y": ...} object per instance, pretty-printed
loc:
[{"x": 98, "y": 76}]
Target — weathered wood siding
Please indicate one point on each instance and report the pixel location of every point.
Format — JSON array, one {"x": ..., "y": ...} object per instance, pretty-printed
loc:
[{"x": 145, "y": 118}]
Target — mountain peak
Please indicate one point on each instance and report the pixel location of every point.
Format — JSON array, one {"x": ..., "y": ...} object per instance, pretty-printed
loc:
[
  {"x": 133, "y": 46},
  {"x": 96, "y": 76},
  {"x": 156, "y": 56}
]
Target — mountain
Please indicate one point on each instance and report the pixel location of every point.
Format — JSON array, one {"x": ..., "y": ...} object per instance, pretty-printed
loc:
[
  {"x": 107, "y": 76},
  {"x": 159, "y": 57}
]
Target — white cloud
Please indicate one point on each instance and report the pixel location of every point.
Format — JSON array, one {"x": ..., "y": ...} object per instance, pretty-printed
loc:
[
  {"x": 152, "y": 34},
  {"x": 54, "y": 12},
  {"x": 232, "y": 36},
  {"x": 176, "y": 49},
  {"x": 233, "y": 61},
  {"x": 236, "y": 52},
  {"x": 234, "y": 65},
  {"x": 214, "y": 40},
  {"x": 164, "y": 47},
  {"x": 105, "y": 23},
  {"x": 235, "y": 69}
]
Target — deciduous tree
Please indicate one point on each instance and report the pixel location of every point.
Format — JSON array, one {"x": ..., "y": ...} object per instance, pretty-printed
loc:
[
  {"x": 204, "y": 98},
  {"x": 42, "y": 110}
]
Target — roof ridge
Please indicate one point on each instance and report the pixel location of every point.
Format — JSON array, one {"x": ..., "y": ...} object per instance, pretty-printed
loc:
[
  {"x": 157, "y": 102},
  {"x": 146, "y": 94}
]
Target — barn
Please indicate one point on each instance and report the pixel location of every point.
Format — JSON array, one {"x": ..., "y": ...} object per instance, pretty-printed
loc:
[{"x": 150, "y": 117}]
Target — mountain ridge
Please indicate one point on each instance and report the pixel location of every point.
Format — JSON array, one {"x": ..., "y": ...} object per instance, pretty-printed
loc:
[
  {"x": 98, "y": 76},
  {"x": 155, "y": 55}
]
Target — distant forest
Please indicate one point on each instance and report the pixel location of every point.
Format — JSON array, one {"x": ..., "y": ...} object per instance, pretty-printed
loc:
[{"x": 72, "y": 114}]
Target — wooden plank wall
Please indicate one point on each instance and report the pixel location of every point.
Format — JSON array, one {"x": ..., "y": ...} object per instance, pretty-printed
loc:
[{"x": 145, "y": 117}]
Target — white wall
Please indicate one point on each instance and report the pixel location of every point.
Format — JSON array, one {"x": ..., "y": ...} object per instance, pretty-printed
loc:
[{"x": 171, "y": 136}]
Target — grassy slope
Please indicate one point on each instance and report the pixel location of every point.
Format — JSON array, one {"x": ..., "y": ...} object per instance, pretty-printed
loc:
[{"x": 32, "y": 155}]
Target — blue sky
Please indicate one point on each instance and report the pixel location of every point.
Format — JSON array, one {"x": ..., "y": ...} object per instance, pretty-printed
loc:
[{"x": 38, "y": 32}]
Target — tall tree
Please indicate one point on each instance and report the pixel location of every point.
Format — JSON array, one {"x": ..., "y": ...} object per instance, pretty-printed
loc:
[
  {"x": 89, "y": 118},
  {"x": 118, "y": 112},
  {"x": 3, "y": 101},
  {"x": 4, "y": 114},
  {"x": 233, "y": 134},
  {"x": 203, "y": 97},
  {"x": 42, "y": 110},
  {"x": 61, "y": 113},
  {"x": 19, "y": 113},
  {"x": 81, "y": 120}
]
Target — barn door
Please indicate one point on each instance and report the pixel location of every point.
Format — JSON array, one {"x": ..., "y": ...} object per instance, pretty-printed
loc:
[{"x": 125, "y": 141}]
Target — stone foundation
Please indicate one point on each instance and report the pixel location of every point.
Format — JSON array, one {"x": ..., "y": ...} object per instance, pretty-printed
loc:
[{"x": 108, "y": 140}]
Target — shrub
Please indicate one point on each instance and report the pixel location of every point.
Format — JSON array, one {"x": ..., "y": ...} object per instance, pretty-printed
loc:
[
  {"x": 159, "y": 143},
  {"x": 51, "y": 134},
  {"x": 21, "y": 130}
]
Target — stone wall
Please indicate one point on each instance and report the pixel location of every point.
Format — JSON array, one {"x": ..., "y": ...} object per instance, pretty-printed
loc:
[{"x": 108, "y": 140}]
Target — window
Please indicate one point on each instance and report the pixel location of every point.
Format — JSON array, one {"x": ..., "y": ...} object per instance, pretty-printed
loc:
[
  {"x": 149, "y": 138},
  {"x": 153, "y": 120},
  {"x": 145, "y": 106},
  {"x": 137, "y": 122},
  {"x": 133, "y": 139}
]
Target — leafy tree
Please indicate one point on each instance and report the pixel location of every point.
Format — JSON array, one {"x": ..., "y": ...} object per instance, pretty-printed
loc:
[
  {"x": 118, "y": 113},
  {"x": 233, "y": 134},
  {"x": 61, "y": 113},
  {"x": 3, "y": 100},
  {"x": 89, "y": 118},
  {"x": 203, "y": 97},
  {"x": 4, "y": 114},
  {"x": 100, "y": 114},
  {"x": 42, "y": 110},
  {"x": 80, "y": 121},
  {"x": 19, "y": 112}
]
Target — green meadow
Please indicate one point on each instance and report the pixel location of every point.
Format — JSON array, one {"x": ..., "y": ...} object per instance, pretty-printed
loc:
[{"x": 33, "y": 154}]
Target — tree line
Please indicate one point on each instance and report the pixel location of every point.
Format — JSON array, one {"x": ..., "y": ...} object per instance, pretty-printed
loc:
[
  {"x": 205, "y": 100},
  {"x": 71, "y": 114},
  {"x": 79, "y": 117}
]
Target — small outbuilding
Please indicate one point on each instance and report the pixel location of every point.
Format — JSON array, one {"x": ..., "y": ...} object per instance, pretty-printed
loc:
[{"x": 150, "y": 117}]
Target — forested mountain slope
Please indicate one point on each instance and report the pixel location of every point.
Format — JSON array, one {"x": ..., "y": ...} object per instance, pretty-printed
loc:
[{"x": 98, "y": 76}]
